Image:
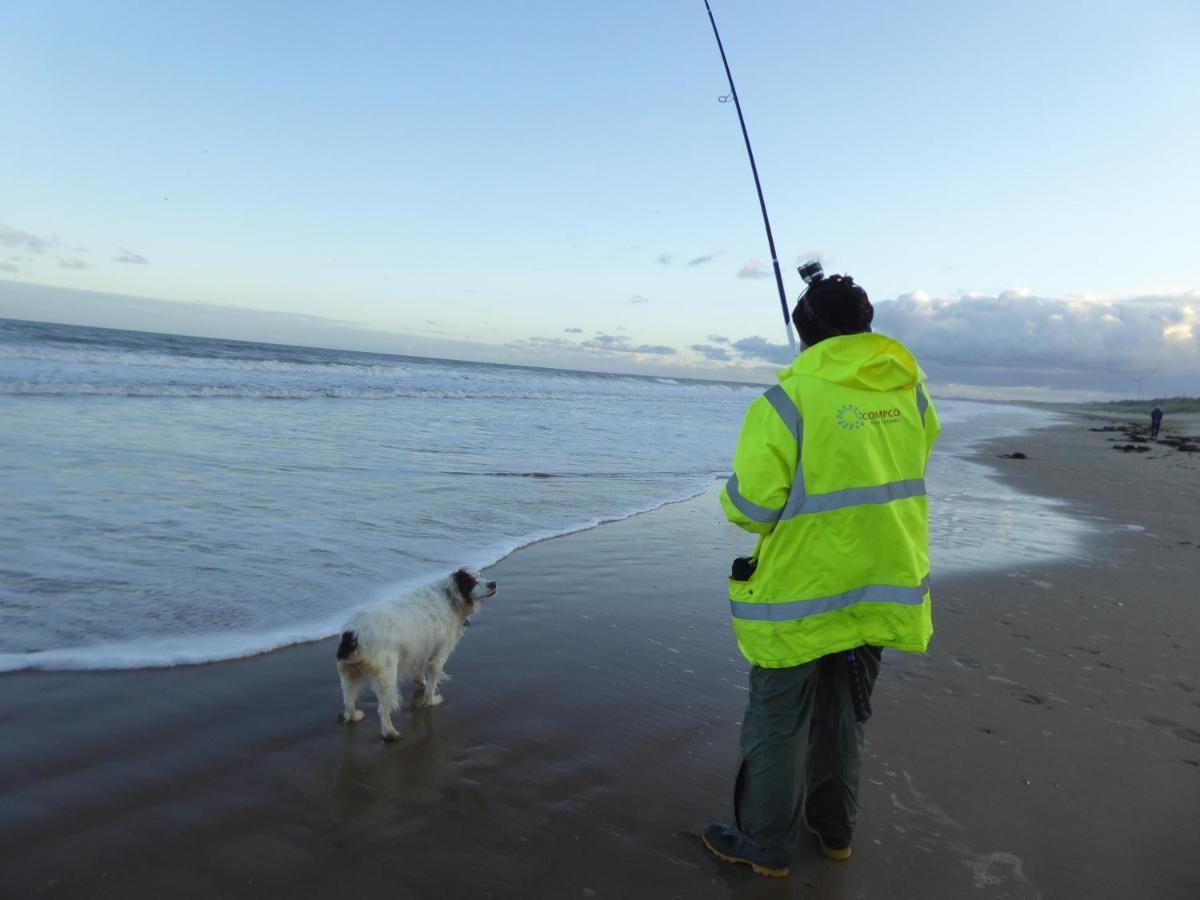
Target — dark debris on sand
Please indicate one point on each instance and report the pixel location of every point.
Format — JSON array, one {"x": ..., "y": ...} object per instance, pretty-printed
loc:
[{"x": 1139, "y": 439}]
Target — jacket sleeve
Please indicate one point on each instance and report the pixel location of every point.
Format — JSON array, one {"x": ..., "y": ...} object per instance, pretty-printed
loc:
[
  {"x": 933, "y": 426},
  {"x": 764, "y": 466}
]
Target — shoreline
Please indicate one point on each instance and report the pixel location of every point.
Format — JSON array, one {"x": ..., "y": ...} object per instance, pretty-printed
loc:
[
  {"x": 207, "y": 649},
  {"x": 284, "y": 637},
  {"x": 1047, "y": 745}
]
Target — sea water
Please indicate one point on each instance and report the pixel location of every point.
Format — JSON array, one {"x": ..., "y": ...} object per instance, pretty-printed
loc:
[{"x": 169, "y": 499}]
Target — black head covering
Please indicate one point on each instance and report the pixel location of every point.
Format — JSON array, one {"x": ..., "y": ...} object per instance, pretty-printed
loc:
[{"x": 832, "y": 306}]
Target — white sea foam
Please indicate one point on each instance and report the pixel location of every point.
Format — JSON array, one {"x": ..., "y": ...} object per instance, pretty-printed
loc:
[
  {"x": 270, "y": 392},
  {"x": 197, "y": 649},
  {"x": 143, "y": 359}
]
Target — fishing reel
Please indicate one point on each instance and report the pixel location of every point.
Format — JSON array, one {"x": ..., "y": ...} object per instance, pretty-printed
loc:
[{"x": 811, "y": 271}]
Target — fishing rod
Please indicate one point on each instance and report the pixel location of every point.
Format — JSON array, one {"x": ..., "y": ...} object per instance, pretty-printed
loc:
[{"x": 787, "y": 319}]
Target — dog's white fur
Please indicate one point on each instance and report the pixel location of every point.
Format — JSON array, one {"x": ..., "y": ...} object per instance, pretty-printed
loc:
[{"x": 410, "y": 638}]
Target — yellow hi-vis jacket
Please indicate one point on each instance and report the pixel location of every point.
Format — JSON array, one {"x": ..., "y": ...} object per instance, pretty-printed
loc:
[{"x": 830, "y": 472}]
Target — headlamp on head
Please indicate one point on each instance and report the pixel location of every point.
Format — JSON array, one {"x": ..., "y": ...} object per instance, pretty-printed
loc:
[
  {"x": 830, "y": 307},
  {"x": 811, "y": 271}
]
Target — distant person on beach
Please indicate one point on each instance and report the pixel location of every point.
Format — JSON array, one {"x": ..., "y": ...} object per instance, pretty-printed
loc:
[
  {"x": 829, "y": 472},
  {"x": 1156, "y": 417}
]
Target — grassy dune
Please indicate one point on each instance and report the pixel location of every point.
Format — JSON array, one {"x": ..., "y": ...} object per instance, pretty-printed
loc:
[{"x": 1135, "y": 407}]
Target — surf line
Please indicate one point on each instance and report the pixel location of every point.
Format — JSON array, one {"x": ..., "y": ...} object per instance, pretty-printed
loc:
[{"x": 787, "y": 319}]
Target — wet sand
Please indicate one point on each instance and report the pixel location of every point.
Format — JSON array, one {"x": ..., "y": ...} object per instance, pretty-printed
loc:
[{"x": 1048, "y": 745}]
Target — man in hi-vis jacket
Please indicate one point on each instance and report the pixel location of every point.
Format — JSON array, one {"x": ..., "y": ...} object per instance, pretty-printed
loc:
[{"x": 829, "y": 472}]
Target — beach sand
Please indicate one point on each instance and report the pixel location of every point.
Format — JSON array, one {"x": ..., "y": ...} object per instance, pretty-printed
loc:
[{"x": 1047, "y": 746}]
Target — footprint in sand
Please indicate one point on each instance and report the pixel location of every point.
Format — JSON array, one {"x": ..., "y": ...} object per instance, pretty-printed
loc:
[
  {"x": 1000, "y": 871},
  {"x": 1160, "y": 721},
  {"x": 1184, "y": 734}
]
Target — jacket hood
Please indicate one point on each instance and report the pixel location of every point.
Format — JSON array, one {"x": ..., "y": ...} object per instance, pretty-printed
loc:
[{"x": 868, "y": 361}]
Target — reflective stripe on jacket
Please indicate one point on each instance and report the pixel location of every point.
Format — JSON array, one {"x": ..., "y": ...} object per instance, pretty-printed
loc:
[{"x": 830, "y": 473}]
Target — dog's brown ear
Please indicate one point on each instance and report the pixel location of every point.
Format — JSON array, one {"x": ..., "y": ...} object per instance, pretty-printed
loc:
[{"x": 464, "y": 582}]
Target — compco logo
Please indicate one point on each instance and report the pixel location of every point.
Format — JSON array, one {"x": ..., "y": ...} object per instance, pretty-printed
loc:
[{"x": 850, "y": 417}]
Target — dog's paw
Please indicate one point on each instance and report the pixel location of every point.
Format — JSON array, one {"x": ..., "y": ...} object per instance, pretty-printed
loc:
[
  {"x": 356, "y": 716},
  {"x": 435, "y": 700},
  {"x": 390, "y": 737}
]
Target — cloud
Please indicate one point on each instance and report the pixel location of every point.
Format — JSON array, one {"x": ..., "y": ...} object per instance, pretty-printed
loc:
[
  {"x": 701, "y": 260},
  {"x": 619, "y": 343},
  {"x": 601, "y": 343},
  {"x": 760, "y": 348},
  {"x": 1021, "y": 393},
  {"x": 718, "y": 339},
  {"x": 665, "y": 259},
  {"x": 19, "y": 300},
  {"x": 128, "y": 256},
  {"x": 73, "y": 263},
  {"x": 708, "y": 351},
  {"x": 23, "y": 240},
  {"x": 572, "y": 331},
  {"x": 605, "y": 341},
  {"x": 638, "y": 298},
  {"x": 10, "y": 267},
  {"x": 754, "y": 269},
  {"x": 1156, "y": 334}
]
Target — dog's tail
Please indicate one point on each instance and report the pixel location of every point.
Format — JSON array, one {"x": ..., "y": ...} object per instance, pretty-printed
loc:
[{"x": 348, "y": 646}]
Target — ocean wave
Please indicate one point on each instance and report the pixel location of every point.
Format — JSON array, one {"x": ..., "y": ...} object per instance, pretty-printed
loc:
[
  {"x": 258, "y": 392},
  {"x": 319, "y": 390},
  {"x": 88, "y": 370},
  {"x": 116, "y": 360},
  {"x": 199, "y": 649},
  {"x": 149, "y": 359},
  {"x": 631, "y": 475}
]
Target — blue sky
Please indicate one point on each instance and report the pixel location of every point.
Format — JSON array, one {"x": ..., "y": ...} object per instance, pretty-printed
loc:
[{"x": 502, "y": 174}]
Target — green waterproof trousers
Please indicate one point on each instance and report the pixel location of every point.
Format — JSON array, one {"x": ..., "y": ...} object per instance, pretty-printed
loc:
[{"x": 801, "y": 752}]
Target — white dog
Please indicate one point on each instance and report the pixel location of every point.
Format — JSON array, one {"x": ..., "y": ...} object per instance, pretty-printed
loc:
[{"x": 408, "y": 638}]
